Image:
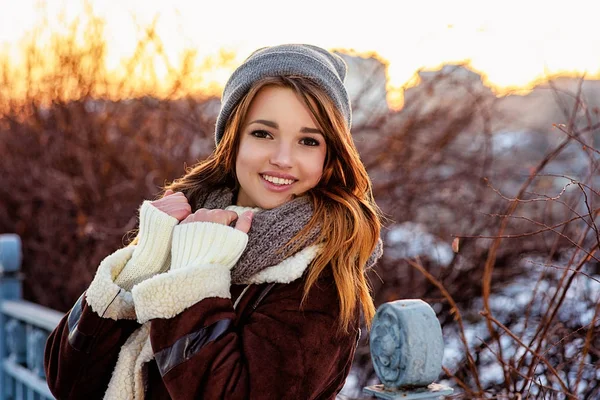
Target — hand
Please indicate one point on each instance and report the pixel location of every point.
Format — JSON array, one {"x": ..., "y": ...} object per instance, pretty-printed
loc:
[
  {"x": 174, "y": 204},
  {"x": 224, "y": 217}
]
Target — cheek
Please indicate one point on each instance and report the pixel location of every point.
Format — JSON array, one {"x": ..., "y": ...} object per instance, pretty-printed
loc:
[
  {"x": 244, "y": 158},
  {"x": 239, "y": 161},
  {"x": 314, "y": 169}
]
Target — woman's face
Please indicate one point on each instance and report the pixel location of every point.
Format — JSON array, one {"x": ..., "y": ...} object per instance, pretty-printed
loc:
[{"x": 281, "y": 151}]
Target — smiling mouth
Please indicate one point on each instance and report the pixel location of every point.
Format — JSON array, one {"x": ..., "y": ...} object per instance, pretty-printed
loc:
[{"x": 278, "y": 181}]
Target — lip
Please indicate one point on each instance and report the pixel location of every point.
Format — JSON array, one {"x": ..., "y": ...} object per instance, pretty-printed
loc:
[
  {"x": 273, "y": 187},
  {"x": 279, "y": 175}
]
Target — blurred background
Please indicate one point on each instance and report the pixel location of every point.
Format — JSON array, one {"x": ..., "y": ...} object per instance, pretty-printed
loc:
[{"x": 477, "y": 121}]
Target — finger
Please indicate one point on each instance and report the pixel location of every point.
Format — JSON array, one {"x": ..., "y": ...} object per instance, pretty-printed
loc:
[
  {"x": 177, "y": 196},
  {"x": 179, "y": 213},
  {"x": 173, "y": 199},
  {"x": 176, "y": 207},
  {"x": 224, "y": 217},
  {"x": 168, "y": 193},
  {"x": 180, "y": 197},
  {"x": 227, "y": 217},
  {"x": 188, "y": 219},
  {"x": 244, "y": 222},
  {"x": 230, "y": 216}
]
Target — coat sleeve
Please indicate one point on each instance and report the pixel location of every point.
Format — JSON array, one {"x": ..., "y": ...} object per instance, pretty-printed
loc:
[
  {"x": 82, "y": 351},
  {"x": 282, "y": 351}
]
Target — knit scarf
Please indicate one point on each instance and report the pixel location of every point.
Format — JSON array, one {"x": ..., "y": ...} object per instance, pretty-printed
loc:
[{"x": 271, "y": 232}]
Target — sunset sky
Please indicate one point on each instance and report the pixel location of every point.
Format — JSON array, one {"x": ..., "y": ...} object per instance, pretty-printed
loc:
[{"x": 512, "y": 42}]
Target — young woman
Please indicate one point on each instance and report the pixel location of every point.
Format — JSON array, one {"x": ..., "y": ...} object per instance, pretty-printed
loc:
[{"x": 247, "y": 277}]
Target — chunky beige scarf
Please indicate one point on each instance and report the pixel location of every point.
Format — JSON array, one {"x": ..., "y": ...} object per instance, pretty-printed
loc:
[{"x": 270, "y": 233}]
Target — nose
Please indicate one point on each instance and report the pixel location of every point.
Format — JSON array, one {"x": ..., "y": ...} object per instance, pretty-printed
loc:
[{"x": 282, "y": 156}]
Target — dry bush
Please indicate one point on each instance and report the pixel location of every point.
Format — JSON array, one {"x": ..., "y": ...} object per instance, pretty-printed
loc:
[
  {"x": 76, "y": 165},
  {"x": 519, "y": 302}
]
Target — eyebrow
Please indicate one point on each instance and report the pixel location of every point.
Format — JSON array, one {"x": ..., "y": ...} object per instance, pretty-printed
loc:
[{"x": 274, "y": 125}]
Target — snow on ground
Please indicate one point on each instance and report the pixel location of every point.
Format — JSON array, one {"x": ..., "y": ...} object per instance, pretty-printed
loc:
[
  {"x": 509, "y": 302},
  {"x": 410, "y": 240},
  {"x": 512, "y": 301}
]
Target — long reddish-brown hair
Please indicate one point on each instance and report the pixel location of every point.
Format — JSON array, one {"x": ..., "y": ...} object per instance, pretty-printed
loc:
[{"x": 343, "y": 201}]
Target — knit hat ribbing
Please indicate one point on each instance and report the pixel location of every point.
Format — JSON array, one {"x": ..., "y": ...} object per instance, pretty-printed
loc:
[{"x": 326, "y": 69}]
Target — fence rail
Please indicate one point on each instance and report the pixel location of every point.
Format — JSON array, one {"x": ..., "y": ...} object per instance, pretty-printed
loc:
[{"x": 24, "y": 328}]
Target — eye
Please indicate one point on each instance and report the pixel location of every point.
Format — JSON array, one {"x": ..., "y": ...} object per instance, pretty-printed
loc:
[
  {"x": 261, "y": 134},
  {"x": 309, "y": 142}
]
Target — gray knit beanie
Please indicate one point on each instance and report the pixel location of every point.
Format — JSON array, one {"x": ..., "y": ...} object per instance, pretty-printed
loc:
[{"x": 326, "y": 69}]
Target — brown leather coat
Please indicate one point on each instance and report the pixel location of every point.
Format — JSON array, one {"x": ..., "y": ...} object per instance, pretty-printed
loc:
[{"x": 267, "y": 347}]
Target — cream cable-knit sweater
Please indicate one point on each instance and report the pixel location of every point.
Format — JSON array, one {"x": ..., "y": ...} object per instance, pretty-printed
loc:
[{"x": 152, "y": 255}]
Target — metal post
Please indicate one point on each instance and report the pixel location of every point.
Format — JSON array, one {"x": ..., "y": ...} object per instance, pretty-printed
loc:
[{"x": 10, "y": 289}]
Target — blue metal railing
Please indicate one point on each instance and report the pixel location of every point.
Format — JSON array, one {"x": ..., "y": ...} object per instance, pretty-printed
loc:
[{"x": 24, "y": 328}]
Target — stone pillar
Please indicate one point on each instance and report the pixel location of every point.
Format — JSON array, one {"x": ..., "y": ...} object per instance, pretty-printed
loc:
[{"x": 407, "y": 349}]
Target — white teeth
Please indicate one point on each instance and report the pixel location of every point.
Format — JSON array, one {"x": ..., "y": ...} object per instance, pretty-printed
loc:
[{"x": 278, "y": 181}]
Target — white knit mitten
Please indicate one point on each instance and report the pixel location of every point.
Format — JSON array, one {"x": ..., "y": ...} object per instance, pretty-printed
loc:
[
  {"x": 152, "y": 253},
  {"x": 198, "y": 243}
]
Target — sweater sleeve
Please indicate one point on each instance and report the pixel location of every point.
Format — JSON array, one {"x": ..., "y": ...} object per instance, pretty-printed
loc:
[
  {"x": 82, "y": 350},
  {"x": 203, "y": 254},
  {"x": 152, "y": 253},
  {"x": 282, "y": 351}
]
